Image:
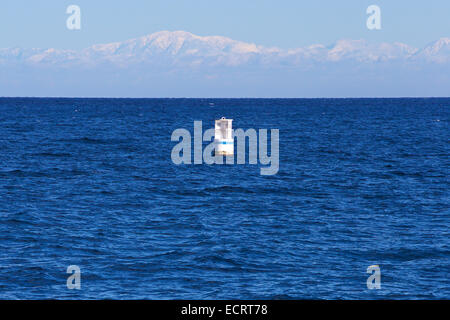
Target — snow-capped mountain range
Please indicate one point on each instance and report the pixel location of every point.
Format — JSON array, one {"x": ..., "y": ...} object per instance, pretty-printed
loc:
[
  {"x": 181, "y": 64},
  {"x": 184, "y": 49}
]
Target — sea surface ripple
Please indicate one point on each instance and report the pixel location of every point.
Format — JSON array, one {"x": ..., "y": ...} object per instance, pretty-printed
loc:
[{"x": 90, "y": 182}]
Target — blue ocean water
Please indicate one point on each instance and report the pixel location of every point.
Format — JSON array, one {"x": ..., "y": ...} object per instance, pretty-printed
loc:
[{"x": 90, "y": 182}]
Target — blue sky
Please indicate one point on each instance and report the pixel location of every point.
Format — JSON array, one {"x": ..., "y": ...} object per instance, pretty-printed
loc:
[{"x": 282, "y": 23}]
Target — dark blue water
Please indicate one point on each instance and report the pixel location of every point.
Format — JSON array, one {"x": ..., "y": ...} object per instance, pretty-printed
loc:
[{"x": 90, "y": 182}]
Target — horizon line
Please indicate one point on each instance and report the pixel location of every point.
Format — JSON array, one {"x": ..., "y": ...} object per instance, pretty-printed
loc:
[{"x": 225, "y": 98}]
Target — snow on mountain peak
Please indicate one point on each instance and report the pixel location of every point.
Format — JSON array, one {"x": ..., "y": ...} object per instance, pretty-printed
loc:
[
  {"x": 441, "y": 44},
  {"x": 361, "y": 50},
  {"x": 438, "y": 51},
  {"x": 183, "y": 48}
]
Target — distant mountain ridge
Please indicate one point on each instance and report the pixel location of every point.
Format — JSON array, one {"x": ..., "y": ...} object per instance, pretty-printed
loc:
[
  {"x": 184, "y": 49},
  {"x": 182, "y": 64}
]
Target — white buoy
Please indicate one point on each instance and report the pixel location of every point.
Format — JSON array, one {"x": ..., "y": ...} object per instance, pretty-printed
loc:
[{"x": 223, "y": 137}]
